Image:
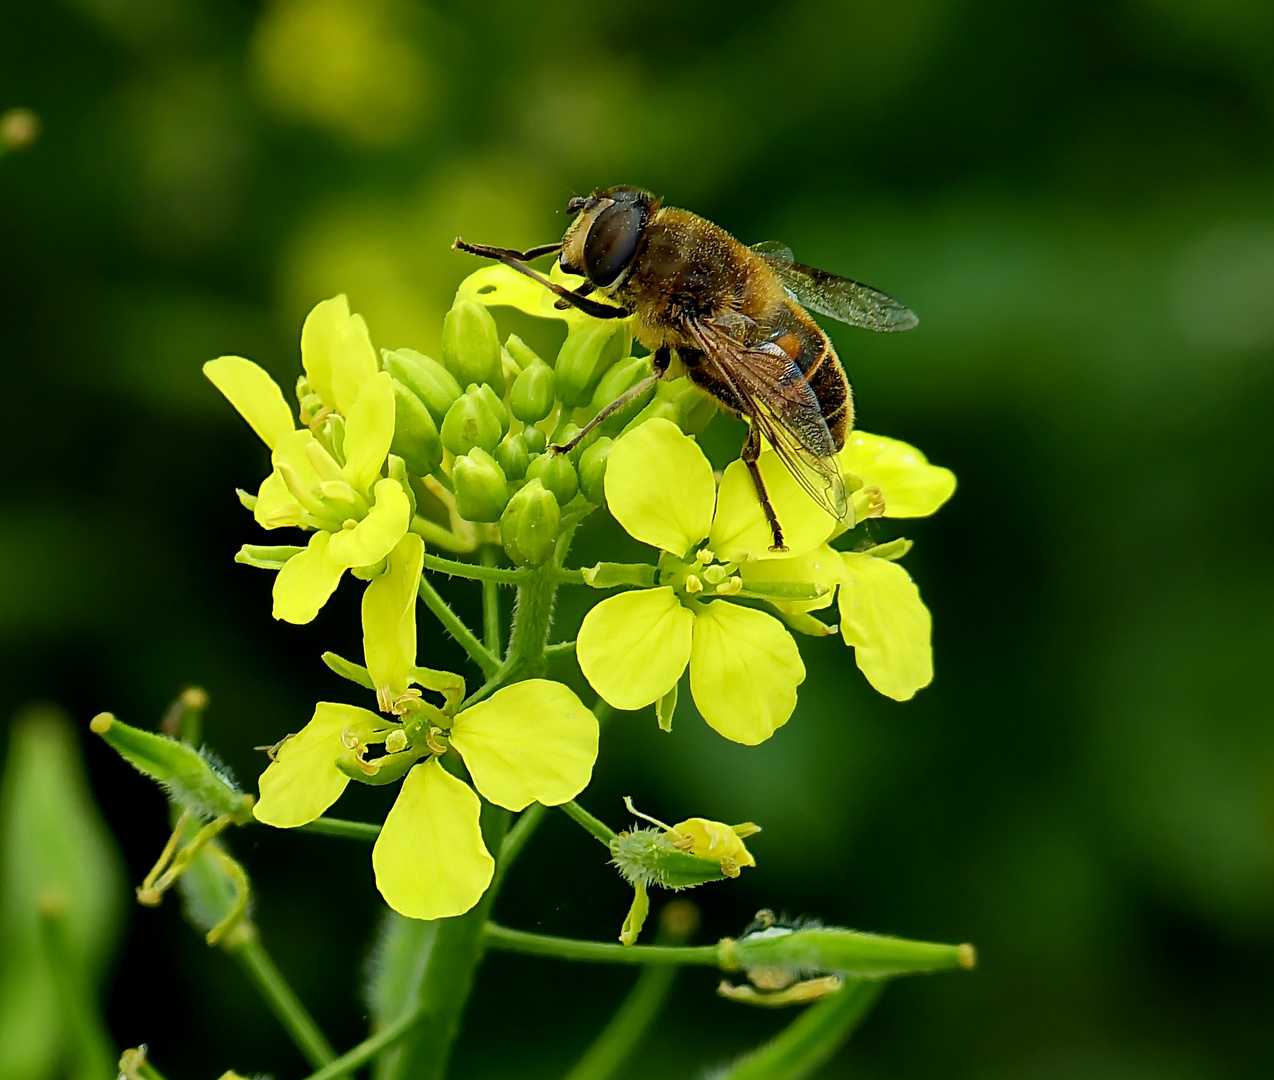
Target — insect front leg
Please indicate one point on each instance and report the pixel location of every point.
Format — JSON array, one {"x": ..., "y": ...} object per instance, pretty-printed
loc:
[
  {"x": 660, "y": 363},
  {"x": 513, "y": 259},
  {"x": 750, "y": 454}
]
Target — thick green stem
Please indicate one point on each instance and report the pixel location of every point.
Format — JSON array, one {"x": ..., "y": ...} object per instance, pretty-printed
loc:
[
  {"x": 600, "y": 952},
  {"x": 490, "y": 604},
  {"x": 532, "y": 620},
  {"x": 86, "y": 1042},
  {"x": 598, "y": 829},
  {"x": 457, "y": 629},
  {"x": 283, "y": 1002}
]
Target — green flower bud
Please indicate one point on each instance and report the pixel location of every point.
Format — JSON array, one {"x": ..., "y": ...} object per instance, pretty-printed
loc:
[
  {"x": 470, "y": 422},
  {"x": 522, "y": 353},
  {"x": 189, "y": 778},
  {"x": 529, "y": 525},
  {"x": 592, "y": 470},
  {"x": 557, "y": 474},
  {"x": 481, "y": 489},
  {"x": 619, "y": 380},
  {"x": 427, "y": 379},
  {"x": 565, "y": 433},
  {"x": 590, "y": 349},
  {"x": 495, "y": 405},
  {"x": 416, "y": 438},
  {"x": 536, "y": 441},
  {"x": 513, "y": 456},
  {"x": 471, "y": 346},
  {"x": 531, "y": 398},
  {"x": 680, "y": 401}
]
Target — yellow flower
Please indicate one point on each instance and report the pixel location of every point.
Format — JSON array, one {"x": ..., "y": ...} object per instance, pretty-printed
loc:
[
  {"x": 716, "y": 840},
  {"x": 533, "y": 741},
  {"x": 633, "y": 648},
  {"x": 332, "y": 485},
  {"x": 909, "y": 485}
]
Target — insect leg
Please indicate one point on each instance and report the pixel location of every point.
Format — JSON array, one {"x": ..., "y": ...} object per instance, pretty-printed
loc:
[
  {"x": 582, "y": 290},
  {"x": 750, "y": 454},
  {"x": 510, "y": 253},
  {"x": 510, "y": 259},
  {"x": 660, "y": 364}
]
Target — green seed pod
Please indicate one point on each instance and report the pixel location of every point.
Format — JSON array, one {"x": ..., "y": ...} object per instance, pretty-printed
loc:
[
  {"x": 522, "y": 353},
  {"x": 617, "y": 381},
  {"x": 427, "y": 379},
  {"x": 590, "y": 349},
  {"x": 844, "y": 952},
  {"x": 557, "y": 474},
  {"x": 416, "y": 438},
  {"x": 495, "y": 405},
  {"x": 536, "y": 441},
  {"x": 513, "y": 456},
  {"x": 592, "y": 470},
  {"x": 531, "y": 398},
  {"x": 481, "y": 489},
  {"x": 529, "y": 525},
  {"x": 470, "y": 422},
  {"x": 471, "y": 346}
]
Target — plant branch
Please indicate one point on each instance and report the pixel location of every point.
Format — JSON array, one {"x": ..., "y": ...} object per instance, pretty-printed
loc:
[
  {"x": 490, "y": 603},
  {"x": 505, "y": 939},
  {"x": 283, "y": 1002},
  {"x": 598, "y": 829},
  {"x": 457, "y": 629},
  {"x": 366, "y": 1050},
  {"x": 500, "y": 575},
  {"x": 348, "y": 830}
]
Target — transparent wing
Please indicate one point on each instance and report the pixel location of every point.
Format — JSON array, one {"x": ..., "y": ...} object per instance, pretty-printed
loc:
[
  {"x": 836, "y": 297},
  {"x": 783, "y": 408}
]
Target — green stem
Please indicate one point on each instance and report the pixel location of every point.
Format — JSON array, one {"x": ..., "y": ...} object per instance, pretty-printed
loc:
[
  {"x": 87, "y": 1044},
  {"x": 348, "y": 830},
  {"x": 490, "y": 603},
  {"x": 283, "y": 1002},
  {"x": 487, "y": 571},
  {"x": 504, "y": 939},
  {"x": 528, "y": 821},
  {"x": 457, "y": 629},
  {"x": 599, "y": 829},
  {"x": 812, "y": 1038},
  {"x": 532, "y": 620},
  {"x": 366, "y": 1050},
  {"x": 556, "y": 652}
]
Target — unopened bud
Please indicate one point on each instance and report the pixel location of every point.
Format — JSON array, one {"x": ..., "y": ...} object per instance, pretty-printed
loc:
[
  {"x": 495, "y": 405},
  {"x": 416, "y": 438},
  {"x": 680, "y": 401},
  {"x": 521, "y": 353},
  {"x": 471, "y": 346},
  {"x": 617, "y": 381},
  {"x": 536, "y": 441},
  {"x": 841, "y": 952},
  {"x": 590, "y": 349},
  {"x": 529, "y": 525},
  {"x": 470, "y": 422},
  {"x": 592, "y": 470},
  {"x": 557, "y": 474},
  {"x": 426, "y": 378},
  {"x": 513, "y": 456},
  {"x": 481, "y": 489},
  {"x": 533, "y": 393}
]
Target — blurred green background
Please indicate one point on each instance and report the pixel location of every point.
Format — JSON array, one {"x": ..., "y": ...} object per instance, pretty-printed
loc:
[{"x": 1078, "y": 200}]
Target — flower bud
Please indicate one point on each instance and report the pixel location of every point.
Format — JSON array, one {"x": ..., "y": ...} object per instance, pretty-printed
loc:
[
  {"x": 470, "y": 422},
  {"x": 481, "y": 489},
  {"x": 557, "y": 474},
  {"x": 531, "y": 398},
  {"x": 536, "y": 441},
  {"x": 529, "y": 525},
  {"x": 521, "y": 353},
  {"x": 564, "y": 434},
  {"x": 471, "y": 346},
  {"x": 680, "y": 401},
  {"x": 495, "y": 405},
  {"x": 426, "y": 378},
  {"x": 617, "y": 381},
  {"x": 590, "y": 349},
  {"x": 416, "y": 438},
  {"x": 513, "y": 456},
  {"x": 592, "y": 470}
]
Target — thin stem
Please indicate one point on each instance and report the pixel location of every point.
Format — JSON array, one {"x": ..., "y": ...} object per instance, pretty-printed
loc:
[
  {"x": 559, "y": 650},
  {"x": 370, "y": 1047},
  {"x": 516, "y": 838},
  {"x": 490, "y": 603},
  {"x": 504, "y": 939},
  {"x": 284, "y": 1003},
  {"x": 348, "y": 830},
  {"x": 457, "y": 629},
  {"x": 599, "y": 829},
  {"x": 501, "y": 575}
]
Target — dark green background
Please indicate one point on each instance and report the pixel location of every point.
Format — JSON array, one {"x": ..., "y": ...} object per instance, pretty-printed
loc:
[{"x": 1078, "y": 200}]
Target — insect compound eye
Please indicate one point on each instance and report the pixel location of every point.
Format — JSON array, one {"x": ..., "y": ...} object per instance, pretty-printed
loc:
[
  {"x": 576, "y": 205},
  {"x": 612, "y": 241}
]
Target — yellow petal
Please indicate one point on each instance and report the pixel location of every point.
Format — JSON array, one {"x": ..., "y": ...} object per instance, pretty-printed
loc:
[
  {"x": 429, "y": 859},
  {"x": 302, "y": 781},
  {"x": 744, "y": 671},
  {"x": 533, "y": 741},
  {"x": 740, "y": 529},
  {"x": 376, "y": 535},
  {"x": 659, "y": 487},
  {"x": 632, "y": 648},
  {"x": 337, "y": 353},
  {"x": 291, "y": 457},
  {"x": 306, "y": 581},
  {"x": 369, "y": 429},
  {"x": 389, "y": 619},
  {"x": 911, "y": 486},
  {"x": 884, "y": 619},
  {"x": 276, "y": 507},
  {"x": 714, "y": 840},
  {"x": 254, "y": 394},
  {"x": 502, "y": 286}
]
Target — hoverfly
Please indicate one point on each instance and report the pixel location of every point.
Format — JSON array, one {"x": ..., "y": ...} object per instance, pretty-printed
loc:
[{"x": 736, "y": 318}]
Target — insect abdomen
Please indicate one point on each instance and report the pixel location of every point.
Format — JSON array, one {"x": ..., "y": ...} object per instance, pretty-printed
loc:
[{"x": 811, "y": 351}]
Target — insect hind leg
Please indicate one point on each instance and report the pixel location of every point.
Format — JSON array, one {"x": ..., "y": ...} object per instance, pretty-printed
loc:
[
  {"x": 750, "y": 454},
  {"x": 660, "y": 365}
]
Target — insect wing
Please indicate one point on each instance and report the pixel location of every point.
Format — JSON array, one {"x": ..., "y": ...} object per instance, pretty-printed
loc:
[{"x": 836, "y": 297}]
